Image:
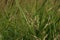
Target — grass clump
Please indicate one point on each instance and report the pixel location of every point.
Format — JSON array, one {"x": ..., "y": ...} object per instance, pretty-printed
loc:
[{"x": 29, "y": 20}]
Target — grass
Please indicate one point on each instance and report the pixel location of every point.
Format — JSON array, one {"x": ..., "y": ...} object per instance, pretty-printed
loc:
[{"x": 29, "y": 20}]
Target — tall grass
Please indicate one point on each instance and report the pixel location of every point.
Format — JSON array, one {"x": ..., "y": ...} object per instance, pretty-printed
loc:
[{"x": 29, "y": 20}]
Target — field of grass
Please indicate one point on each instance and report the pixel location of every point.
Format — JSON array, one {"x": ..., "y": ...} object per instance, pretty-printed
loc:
[{"x": 29, "y": 19}]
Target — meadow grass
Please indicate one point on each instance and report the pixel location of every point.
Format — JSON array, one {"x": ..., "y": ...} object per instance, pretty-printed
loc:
[{"x": 29, "y": 19}]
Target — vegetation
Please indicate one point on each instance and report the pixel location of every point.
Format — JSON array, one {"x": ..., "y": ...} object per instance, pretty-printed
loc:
[{"x": 29, "y": 19}]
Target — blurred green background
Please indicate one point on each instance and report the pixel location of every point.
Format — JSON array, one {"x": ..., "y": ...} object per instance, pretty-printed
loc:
[{"x": 29, "y": 19}]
